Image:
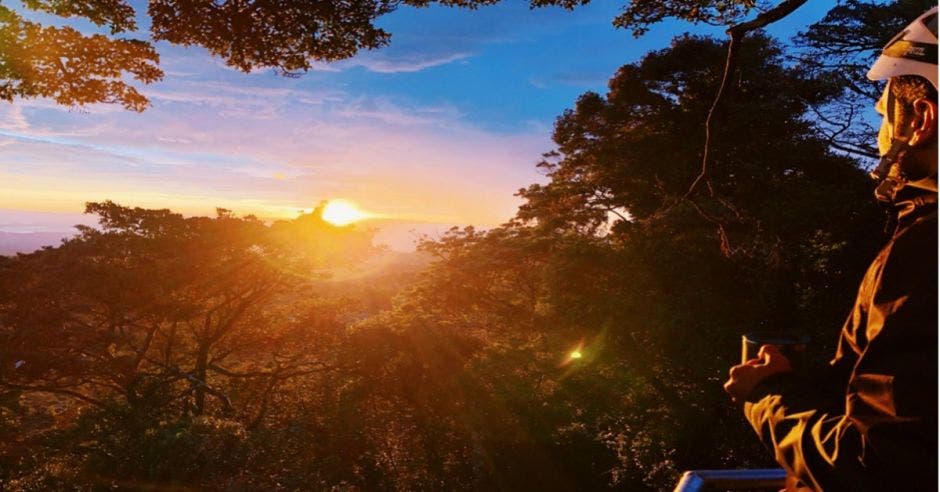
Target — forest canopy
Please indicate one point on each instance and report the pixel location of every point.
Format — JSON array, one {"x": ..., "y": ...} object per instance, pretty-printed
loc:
[{"x": 159, "y": 351}]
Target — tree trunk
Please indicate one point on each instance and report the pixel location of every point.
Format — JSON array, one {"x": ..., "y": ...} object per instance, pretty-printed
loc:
[{"x": 202, "y": 363}]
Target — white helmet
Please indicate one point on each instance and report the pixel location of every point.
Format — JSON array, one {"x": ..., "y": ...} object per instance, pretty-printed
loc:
[{"x": 912, "y": 52}]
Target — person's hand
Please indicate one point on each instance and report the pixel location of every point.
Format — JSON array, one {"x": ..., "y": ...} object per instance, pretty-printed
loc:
[{"x": 744, "y": 377}]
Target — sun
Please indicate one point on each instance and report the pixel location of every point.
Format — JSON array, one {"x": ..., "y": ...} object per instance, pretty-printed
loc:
[{"x": 342, "y": 212}]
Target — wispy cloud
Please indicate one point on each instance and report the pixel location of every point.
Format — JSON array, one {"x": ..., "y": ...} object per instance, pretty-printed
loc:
[
  {"x": 407, "y": 160},
  {"x": 537, "y": 83},
  {"x": 416, "y": 63},
  {"x": 12, "y": 118},
  {"x": 384, "y": 111},
  {"x": 383, "y": 129},
  {"x": 231, "y": 96},
  {"x": 585, "y": 78}
]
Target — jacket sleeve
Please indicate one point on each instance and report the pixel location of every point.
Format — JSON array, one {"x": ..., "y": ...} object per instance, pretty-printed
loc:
[
  {"x": 808, "y": 431},
  {"x": 879, "y": 429}
]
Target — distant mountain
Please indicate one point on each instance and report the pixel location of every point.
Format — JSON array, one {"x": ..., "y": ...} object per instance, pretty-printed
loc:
[{"x": 27, "y": 242}]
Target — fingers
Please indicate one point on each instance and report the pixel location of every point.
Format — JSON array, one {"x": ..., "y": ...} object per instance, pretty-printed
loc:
[
  {"x": 743, "y": 378},
  {"x": 773, "y": 358},
  {"x": 737, "y": 370},
  {"x": 730, "y": 389},
  {"x": 768, "y": 352}
]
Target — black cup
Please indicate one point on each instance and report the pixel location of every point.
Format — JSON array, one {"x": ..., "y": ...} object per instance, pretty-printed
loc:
[{"x": 792, "y": 346}]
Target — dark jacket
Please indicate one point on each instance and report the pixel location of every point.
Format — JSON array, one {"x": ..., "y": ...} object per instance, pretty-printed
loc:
[{"x": 870, "y": 423}]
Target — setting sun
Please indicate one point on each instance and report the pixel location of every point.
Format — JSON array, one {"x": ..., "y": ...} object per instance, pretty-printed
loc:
[{"x": 341, "y": 212}]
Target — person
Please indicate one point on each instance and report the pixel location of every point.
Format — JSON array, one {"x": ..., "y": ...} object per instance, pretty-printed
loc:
[{"x": 870, "y": 421}]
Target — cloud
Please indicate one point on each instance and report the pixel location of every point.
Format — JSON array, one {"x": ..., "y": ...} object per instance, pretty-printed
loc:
[
  {"x": 385, "y": 111},
  {"x": 26, "y": 221},
  {"x": 12, "y": 118},
  {"x": 406, "y": 160},
  {"x": 273, "y": 145},
  {"x": 233, "y": 96},
  {"x": 416, "y": 63},
  {"x": 538, "y": 84},
  {"x": 584, "y": 78}
]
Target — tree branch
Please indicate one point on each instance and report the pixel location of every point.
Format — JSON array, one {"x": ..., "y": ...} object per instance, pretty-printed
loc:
[
  {"x": 198, "y": 383},
  {"x": 55, "y": 391},
  {"x": 769, "y": 17},
  {"x": 736, "y": 33},
  {"x": 282, "y": 373}
]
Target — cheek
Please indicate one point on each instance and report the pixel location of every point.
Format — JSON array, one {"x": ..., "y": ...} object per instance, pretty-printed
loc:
[{"x": 884, "y": 138}]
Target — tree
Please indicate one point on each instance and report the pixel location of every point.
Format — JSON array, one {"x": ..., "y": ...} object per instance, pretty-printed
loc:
[
  {"x": 609, "y": 258},
  {"x": 72, "y": 68},
  {"x": 166, "y": 339},
  {"x": 152, "y": 315}
]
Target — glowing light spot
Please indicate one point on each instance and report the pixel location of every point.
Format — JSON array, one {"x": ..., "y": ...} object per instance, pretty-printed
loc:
[
  {"x": 341, "y": 212},
  {"x": 575, "y": 355}
]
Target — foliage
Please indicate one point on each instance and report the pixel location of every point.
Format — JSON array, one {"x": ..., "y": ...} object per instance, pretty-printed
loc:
[
  {"x": 283, "y": 35},
  {"x": 159, "y": 351},
  {"x": 608, "y": 258},
  {"x": 153, "y": 317},
  {"x": 71, "y": 68}
]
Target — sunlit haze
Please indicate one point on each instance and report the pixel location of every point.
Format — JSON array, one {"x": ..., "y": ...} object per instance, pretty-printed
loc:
[{"x": 342, "y": 212}]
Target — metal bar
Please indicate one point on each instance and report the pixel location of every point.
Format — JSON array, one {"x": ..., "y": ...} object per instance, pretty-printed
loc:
[{"x": 698, "y": 480}]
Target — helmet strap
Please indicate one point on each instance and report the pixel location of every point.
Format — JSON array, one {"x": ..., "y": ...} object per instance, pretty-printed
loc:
[
  {"x": 889, "y": 174},
  {"x": 889, "y": 104}
]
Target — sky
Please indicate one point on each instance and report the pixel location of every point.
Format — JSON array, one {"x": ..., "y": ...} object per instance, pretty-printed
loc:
[{"x": 438, "y": 129}]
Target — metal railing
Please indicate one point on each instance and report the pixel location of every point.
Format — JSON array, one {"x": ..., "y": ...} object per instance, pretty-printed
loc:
[{"x": 697, "y": 480}]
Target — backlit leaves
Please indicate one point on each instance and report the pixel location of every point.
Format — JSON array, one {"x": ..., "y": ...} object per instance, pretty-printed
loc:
[
  {"x": 285, "y": 35},
  {"x": 71, "y": 68},
  {"x": 116, "y": 14}
]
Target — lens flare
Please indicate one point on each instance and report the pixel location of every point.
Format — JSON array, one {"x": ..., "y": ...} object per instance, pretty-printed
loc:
[{"x": 574, "y": 354}]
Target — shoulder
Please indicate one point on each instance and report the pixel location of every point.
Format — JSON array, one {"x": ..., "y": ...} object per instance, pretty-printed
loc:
[{"x": 909, "y": 260}]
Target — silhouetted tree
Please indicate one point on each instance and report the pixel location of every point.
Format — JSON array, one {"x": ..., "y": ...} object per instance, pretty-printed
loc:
[
  {"x": 610, "y": 258},
  {"x": 152, "y": 316}
]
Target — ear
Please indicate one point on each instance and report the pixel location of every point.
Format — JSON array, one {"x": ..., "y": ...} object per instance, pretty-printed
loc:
[{"x": 925, "y": 122}]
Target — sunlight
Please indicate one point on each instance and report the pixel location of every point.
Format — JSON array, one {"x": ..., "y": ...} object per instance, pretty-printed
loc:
[
  {"x": 342, "y": 212},
  {"x": 575, "y": 355}
]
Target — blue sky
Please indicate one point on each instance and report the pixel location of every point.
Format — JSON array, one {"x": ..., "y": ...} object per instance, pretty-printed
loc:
[{"x": 440, "y": 128}]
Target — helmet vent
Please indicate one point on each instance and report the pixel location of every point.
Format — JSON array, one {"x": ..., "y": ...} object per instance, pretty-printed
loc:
[{"x": 930, "y": 22}]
